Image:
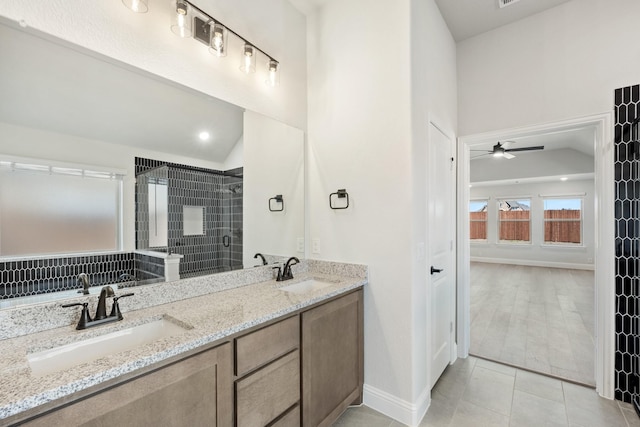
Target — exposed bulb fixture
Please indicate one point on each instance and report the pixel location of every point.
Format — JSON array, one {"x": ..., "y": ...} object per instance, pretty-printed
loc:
[
  {"x": 248, "y": 64},
  {"x": 204, "y": 135},
  {"x": 181, "y": 21},
  {"x": 189, "y": 20},
  {"x": 138, "y": 6},
  {"x": 218, "y": 45},
  {"x": 273, "y": 78}
]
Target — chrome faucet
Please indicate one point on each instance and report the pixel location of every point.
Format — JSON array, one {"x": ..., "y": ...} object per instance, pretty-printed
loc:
[
  {"x": 84, "y": 279},
  {"x": 101, "y": 312},
  {"x": 286, "y": 271}
]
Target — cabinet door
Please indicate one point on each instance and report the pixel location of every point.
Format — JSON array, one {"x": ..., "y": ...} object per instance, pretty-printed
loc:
[
  {"x": 332, "y": 359},
  {"x": 196, "y": 391}
]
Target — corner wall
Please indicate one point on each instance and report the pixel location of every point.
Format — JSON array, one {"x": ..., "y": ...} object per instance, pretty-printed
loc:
[{"x": 376, "y": 79}]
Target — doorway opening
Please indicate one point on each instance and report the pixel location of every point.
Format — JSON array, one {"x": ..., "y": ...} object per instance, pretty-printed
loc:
[{"x": 517, "y": 225}]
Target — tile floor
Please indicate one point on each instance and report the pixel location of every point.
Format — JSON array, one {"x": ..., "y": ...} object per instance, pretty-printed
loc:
[
  {"x": 474, "y": 393},
  {"x": 537, "y": 318}
]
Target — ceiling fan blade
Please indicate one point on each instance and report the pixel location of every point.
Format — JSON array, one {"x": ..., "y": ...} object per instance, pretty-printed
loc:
[
  {"x": 507, "y": 144},
  {"x": 507, "y": 155},
  {"x": 537, "y": 147}
]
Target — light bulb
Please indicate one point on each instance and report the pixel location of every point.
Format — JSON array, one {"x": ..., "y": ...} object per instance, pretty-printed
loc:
[
  {"x": 248, "y": 64},
  {"x": 273, "y": 79},
  {"x": 138, "y": 6},
  {"x": 218, "y": 40},
  {"x": 181, "y": 22}
]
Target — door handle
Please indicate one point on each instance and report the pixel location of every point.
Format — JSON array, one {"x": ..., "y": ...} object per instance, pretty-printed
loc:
[
  {"x": 226, "y": 241},
  {"x": 435, "y": 270}
]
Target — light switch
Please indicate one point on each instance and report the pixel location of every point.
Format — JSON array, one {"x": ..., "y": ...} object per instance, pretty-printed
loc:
[
  {"x": 300, "y": 244},
  {"x": 315, "y": 246}
]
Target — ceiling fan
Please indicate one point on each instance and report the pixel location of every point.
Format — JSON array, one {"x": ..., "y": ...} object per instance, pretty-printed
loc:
[{"x": 501, "y": 150}]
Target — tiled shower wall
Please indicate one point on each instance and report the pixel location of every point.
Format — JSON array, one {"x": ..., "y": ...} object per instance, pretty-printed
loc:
[
  {"x": 220, "y": 194},
  {"x": 627, "y": 181}
]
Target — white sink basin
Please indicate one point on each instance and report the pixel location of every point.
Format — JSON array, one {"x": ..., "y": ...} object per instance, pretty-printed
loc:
[
  {"x": 66, "y": 356},
  {"x": 306, "y": 286}
]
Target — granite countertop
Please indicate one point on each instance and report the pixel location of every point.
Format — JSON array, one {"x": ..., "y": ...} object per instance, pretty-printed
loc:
[{"x": 206, "y": 319}]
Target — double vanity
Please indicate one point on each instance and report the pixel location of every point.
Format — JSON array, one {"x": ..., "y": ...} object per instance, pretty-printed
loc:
[{"x": 236, "y": 348}]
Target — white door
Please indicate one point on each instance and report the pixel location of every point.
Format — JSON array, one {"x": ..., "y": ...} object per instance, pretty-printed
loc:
[{"x": 441, "y": 274}]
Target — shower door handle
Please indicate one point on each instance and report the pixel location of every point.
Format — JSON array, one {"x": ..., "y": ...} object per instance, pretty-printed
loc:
[{"x": 226, "y": 241}]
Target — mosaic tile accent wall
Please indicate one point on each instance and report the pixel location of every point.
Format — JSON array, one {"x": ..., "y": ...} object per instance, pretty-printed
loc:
[
  {"x": 219, "y": 248},
  {"x": 627, "y": 112},
  {"x": 43, "y": 275}
]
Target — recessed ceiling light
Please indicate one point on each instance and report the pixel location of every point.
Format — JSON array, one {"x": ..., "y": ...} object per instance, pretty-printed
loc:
[
  {"x": 204, "y": 136},
  {"x": 564, "y": 178}
]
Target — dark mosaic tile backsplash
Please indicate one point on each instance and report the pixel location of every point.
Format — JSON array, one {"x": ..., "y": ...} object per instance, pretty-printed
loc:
[{"x": 43, "y": 275}]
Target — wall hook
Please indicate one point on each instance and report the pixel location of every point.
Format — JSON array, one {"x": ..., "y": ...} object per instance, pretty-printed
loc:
[
  {"x": 278, "y": 200},
  {"x": 341, "y": 194}
]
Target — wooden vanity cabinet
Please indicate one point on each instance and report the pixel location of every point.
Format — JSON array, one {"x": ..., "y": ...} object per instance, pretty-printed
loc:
[
  {"x": 195, "y": 391},
  {"x": 267, "y": 385},
  {"x": 303, "y": 370},
  {"x": 332, "y": 359}
]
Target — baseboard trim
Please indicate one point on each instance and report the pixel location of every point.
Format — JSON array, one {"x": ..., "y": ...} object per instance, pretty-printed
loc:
[
  {"x": 534, "y": 263},
  {"x": 400, "y": 410}
]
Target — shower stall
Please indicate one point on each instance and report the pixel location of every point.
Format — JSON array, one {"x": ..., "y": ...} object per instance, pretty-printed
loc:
[{"x": 191, "y": 211}]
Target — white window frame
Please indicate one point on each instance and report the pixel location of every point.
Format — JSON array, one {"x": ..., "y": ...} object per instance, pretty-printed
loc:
[
  {"x": 544, "y": 220},
  {"x": 499, "y": 222}
]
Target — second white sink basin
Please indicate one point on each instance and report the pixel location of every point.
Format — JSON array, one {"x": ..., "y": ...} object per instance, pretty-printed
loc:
[
  {"x": 66, "y": 356},
  {"x": 306, "y": 286}
]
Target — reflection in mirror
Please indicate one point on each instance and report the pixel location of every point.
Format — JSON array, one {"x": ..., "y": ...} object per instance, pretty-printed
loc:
[
  {"x": 74, "y": 106},
  {"x": 204, "y": 220},
  {"x": 153, "y": 187}
]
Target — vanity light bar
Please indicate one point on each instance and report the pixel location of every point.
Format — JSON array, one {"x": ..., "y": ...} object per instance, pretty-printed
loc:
[{"x": 213, "y": 33}]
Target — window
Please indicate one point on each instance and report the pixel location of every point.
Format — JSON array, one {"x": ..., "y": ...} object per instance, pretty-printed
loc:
[
  {"x": 514, "y": 220},
  {"x": 47, "y": 209},
  {"x": 563, "y": 220},
  {"x": 478, "y": 219}
]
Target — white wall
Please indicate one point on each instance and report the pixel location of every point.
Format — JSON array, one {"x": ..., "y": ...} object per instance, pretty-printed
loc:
[
  {"x": 360, "y": 140},
  {"x": 536, "y": 253},
  {"x": 145, "y": 41},
  {"x": 273, "y": 164},
  {"x": 235, "y": 159},
  {"x": 558, "y": 64},
  {"x": 377, "y": 72},
  {"x": 433, "y": 98},
  {"x": 38, "y": 144}
]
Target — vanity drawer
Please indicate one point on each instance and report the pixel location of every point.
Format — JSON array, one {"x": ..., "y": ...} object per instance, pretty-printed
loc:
[
  {"x": 266, "y": 344},
  {"x": 265, "y": 394},
  {"x": 291, "y": 419}
]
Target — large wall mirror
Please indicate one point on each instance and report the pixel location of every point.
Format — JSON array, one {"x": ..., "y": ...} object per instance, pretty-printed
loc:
[{"x": 65, "y": 109}]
